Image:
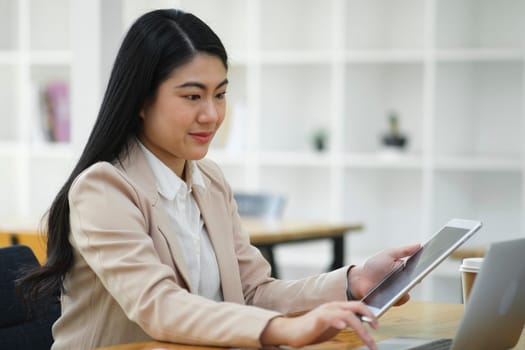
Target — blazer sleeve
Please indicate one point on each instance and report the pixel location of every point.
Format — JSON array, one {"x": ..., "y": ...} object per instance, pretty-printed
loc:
[
  {"x": 260, "y": 289},
  {"x": 110, "y": 230}
]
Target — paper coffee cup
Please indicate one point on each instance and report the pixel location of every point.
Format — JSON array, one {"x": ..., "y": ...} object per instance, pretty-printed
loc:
[{"x": 469, "y": 269}]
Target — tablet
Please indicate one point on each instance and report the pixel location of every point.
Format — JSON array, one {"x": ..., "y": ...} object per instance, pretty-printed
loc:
[{"x": 431, "y": 254}]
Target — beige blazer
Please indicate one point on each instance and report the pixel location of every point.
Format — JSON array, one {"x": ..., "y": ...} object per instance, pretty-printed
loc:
[{"x": 129, "y": 281}]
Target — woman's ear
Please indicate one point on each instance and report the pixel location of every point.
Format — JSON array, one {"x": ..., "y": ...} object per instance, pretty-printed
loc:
[{"x": 144, "y": 110}]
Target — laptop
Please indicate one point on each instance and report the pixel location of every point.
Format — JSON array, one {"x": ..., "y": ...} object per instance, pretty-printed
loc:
[{"x": 495, "y": 313}]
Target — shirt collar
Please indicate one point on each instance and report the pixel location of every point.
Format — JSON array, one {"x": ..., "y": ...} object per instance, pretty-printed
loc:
[{"x": 168, "y": 183}]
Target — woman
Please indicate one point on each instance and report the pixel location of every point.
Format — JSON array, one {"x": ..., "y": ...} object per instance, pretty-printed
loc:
[{"x": 144, "y": 239}]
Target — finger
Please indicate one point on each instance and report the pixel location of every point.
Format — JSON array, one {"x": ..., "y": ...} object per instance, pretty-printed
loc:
[
  {"x": 403, "y": 300},
  {"x": 401, "y": 252},
  {"x": 357, "y": 307},
  {"x": 360, "y": 329}
]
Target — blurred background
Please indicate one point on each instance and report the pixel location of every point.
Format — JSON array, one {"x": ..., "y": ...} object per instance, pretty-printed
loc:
[{"x": 397, "y": 114}]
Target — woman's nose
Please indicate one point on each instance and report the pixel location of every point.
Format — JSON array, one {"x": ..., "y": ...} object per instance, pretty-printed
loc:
[{"x": 209, "y": 113}]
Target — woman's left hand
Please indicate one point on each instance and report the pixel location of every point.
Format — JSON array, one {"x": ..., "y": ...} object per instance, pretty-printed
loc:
[{"x": 364, "y": 277}]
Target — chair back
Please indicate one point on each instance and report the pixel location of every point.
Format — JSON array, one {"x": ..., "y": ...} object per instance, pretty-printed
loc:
[
  {"x": 23, "y": 325},
  {"x": 260, "y": 205}
]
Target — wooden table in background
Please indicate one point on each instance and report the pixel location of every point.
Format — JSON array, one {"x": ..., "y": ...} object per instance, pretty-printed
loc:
[
  {"x": 266, "y": 234},
  {"x": 415, "y": 319}
]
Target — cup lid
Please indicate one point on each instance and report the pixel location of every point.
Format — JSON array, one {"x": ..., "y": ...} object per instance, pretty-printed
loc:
[{"x": 472, "y": 263}]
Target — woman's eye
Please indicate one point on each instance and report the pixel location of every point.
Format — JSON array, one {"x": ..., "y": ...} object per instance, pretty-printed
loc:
[
  {"x": 221, "y": 95},
  {"x": 193, "y": 97}
]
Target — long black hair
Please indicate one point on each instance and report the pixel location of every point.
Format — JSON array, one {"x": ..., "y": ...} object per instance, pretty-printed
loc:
[{"x": 156, "y": 44}]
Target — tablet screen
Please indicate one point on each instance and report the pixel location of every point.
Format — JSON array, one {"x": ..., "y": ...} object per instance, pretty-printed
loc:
[{"x": 439, "y": 246}]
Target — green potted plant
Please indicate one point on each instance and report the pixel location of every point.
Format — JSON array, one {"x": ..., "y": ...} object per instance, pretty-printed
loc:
[
  {"x": 393, "y": 138},
  {"x": 320, "y": 139}
]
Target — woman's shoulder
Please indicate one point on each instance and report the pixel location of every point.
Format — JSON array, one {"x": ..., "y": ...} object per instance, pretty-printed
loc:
[
  {"x": 99, "y": 173},
  {"x": 97, "y": 169}
]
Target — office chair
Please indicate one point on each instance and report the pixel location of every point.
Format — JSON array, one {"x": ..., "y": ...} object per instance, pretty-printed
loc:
[
  {"x": 260, "y": 205},
  {"x": 23, "y": 326},
  {"x": 266, "y": 206}
]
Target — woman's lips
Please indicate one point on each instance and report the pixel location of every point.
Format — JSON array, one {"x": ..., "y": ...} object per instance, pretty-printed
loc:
[{"x": 201, "y": 137}]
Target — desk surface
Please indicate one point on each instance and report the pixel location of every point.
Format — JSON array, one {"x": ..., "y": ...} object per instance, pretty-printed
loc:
[
  {"x": 418, "y": 319},
  {"x": 271, "y": 231}
]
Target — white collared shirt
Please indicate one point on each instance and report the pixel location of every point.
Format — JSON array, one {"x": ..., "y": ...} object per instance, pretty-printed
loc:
[{"x": 176, "y": 197}]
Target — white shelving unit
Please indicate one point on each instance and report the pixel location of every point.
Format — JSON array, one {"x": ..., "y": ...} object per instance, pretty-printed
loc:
[
  {"x": 452, "y": 69},
  {"x": 37, "y": 47}
]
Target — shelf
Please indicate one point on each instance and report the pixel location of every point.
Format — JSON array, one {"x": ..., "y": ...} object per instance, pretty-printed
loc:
[
  {"x": 281, "y": 159},
  {"x": 226, "y": 157},
  {"x": 51, "y": 57},
  {"x": 296, "y": 57},
  {"x": 9, "y": 57},
  {"x": 49, "y": 150},
  {"x": 63, "y": 57},
  {"x": 9, "y": 149},
  {"x": 385, "y": 56},
  {"x": 476, "y": 54},
  {"x": 384, "y": 160},
  {"x": 477, "y": 163},
  {"x": 295, "y": 159}
]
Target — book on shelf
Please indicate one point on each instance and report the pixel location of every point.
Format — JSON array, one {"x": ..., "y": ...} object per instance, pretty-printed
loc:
[{"x": 53, "y": 112}]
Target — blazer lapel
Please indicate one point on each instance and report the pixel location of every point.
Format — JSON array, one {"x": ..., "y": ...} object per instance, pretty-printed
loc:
[
  {"x": 214, "y": 215},
  {"x": 138, "y": 169},
  {"x": 169, "y": 232}
]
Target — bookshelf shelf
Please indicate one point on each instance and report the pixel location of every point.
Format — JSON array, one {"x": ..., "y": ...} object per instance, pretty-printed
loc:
[
  {"x": 295, "y": 159},
  {"x": 384, "y": 160},
  {"x": 475, "y": 54},
  {"x": 497, "y": 164},
  {"x": 295, "y": 57},
  {"x": 385, "y": 56},
  {"x": 9, "y": 57},
  {"x": 48, "y": 150},
  {"x": 64, "y": 57},
  {"x": 37, "y": 52}
]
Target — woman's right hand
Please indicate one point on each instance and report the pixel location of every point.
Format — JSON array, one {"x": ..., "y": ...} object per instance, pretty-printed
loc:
[{"x": 319, "y": 324}]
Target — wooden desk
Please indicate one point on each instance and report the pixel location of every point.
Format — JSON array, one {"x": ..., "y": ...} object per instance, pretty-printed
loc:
[
  {"x": 418, "y": 319},
  {"x": 266, "y": 234}
]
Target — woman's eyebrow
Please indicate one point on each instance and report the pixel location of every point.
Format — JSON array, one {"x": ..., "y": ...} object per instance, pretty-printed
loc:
[{"x": 201, "y": 85}]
